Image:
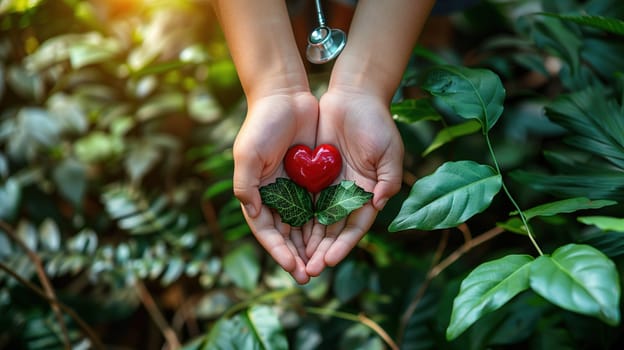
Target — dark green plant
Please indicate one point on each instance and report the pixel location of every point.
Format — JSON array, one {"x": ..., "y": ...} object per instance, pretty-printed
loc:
[{"x": 116, "y": 126}]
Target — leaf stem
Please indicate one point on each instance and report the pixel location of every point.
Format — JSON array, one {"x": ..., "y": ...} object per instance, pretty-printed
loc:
[
  {"x": 274, "y": 295},
  {"x": 511, "y": 199}
]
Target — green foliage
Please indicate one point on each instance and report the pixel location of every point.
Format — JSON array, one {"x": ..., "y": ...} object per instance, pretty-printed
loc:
[
  {"x": 486, "y": 289},
  {"x": 448, "y": 197},
  {"x": 117, "y": 121}
]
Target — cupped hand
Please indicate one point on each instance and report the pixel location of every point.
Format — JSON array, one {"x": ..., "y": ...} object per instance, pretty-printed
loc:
[
  {"x": 360, "y": 125},
  {"x": 273, "y": 124}
]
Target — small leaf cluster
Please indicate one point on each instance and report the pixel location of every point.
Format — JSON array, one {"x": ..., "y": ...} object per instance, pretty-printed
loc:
[{"x": 295, "y": 207}]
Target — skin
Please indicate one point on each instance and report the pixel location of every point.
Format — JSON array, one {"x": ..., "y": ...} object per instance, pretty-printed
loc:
[
  {"x": 281, "y": 105},
  {"x": 353, "y": 115}
]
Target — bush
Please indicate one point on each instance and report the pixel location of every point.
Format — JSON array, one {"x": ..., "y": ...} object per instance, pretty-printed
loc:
[{"x": 118, "y": 226}]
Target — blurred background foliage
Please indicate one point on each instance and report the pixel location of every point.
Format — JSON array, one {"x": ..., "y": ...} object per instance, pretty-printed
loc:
[{"x": 116, "y": 125}]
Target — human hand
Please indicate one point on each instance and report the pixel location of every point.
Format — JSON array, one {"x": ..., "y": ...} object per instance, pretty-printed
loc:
[
  {"x": 360, "y": 125},
  {"x": 273, "y": 123}
]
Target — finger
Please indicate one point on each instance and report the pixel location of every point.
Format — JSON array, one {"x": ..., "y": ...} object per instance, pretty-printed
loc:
[
  {"x": 263, "y": 228},
  {"x": 299, "y": 273},
  {"x": 296, "y": 236},
  {"x": 317, "y": 264},
  {"x": 319, "y": 232},
  {"x": 357, "y": 225},
  {"x": 307, "y": 230},
  {"x": 389, "y": 178},
  {"x": 246, "y": 180}
]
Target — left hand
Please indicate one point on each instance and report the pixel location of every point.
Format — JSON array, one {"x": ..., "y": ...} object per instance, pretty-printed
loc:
[{"x": 359, "y": 124}]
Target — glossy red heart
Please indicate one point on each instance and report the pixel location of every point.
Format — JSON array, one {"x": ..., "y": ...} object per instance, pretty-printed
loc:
[{"x": 313, "y": 170}]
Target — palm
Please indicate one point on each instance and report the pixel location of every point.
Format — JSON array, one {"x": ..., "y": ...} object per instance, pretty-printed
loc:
[
  {"x": 272, "y": 125},
  {"x": 361, "y": 127}
]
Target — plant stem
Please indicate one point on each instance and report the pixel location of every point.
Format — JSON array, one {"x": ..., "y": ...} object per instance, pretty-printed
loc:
[
  {"x": 157, "y": 316},
  {"x": 278, "y": 294},
  {"x": 356, "y": 318},
  {"x": 43, "y": 278},
  {"x": 511, "y": 199},
  {"x": 434, "y": 271}
]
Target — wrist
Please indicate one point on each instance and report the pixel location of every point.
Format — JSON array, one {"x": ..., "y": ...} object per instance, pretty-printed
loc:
[{"x": 363, "y": 75}]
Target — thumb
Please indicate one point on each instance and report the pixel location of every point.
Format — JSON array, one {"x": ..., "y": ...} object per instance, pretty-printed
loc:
[
  {"x": 246, "y": 184},
  {"x": 389, "y": 178}
]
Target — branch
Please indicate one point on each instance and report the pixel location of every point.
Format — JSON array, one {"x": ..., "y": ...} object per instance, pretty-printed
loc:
[
  {"x": 435, "y": 270},
  {"x": 95, "y": 342},
  {"x": 359, "y": 318},
  {"x": 45, "y": 282},
  {"x": 150, "y": 305}
]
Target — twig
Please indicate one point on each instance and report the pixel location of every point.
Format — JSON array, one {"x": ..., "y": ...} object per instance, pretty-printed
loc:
[
  {"x": 210, "y": 215},
  {"x": 434, "y": 271},
  {"x": 157, "y": 316},
  {"x": 95, "y": 342},
  {"x": 463, "y": 249},
  {"x": 43, "y": 278},
  {"x": 357, "y": 318},
  {"x": 377, "y": 329},
  {"x": 423, "y": 287}
]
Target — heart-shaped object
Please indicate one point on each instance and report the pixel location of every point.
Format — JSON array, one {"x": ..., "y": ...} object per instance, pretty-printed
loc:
[{"x": 313, "y": 170}]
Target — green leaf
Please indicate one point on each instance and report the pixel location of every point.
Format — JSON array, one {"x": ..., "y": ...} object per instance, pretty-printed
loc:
[
  {"x": 414, "y": 110},
  {"x": 611, "y": 25},
  {"x": 470, "y": 93},
  {"x": 605, "y": 223},
  {"x": 10, "y": 194},
  {"x": 569, "y": 205},
  {"x": 292, "y": 202},
  {"x": 242, "y": 266},
  {"x": 267, "y": 328},
  {"x": 336, "y": 202},
  {"x": 70, "y": 176},
  {"x": 93, "y": 49},
  {"x": 351, "y": 279},
  {"x": 579, "y": 278},
  {"x": 450, "y": 133},
  {"x": 451, "y": 195},
  {"x": 256, "y": 329},
  {"x": 487, "y": 288}
]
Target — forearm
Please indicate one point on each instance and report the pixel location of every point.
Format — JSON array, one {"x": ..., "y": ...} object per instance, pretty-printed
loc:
[
  {"x": 262, "y": 45},
  {"x": 381, "y": 38}
]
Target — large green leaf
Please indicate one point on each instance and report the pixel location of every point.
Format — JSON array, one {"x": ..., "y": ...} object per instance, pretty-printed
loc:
[
  {"x": 579, "y": 278},
  {"x": 487, "y": 288},
  {"x": 451, "y": 195},
  {"x": 256, "y": 329},
  {"x": 470, "y": 93}
]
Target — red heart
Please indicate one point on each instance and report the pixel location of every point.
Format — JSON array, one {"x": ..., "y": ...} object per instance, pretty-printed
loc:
[{"x": 313, "y": 170}]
